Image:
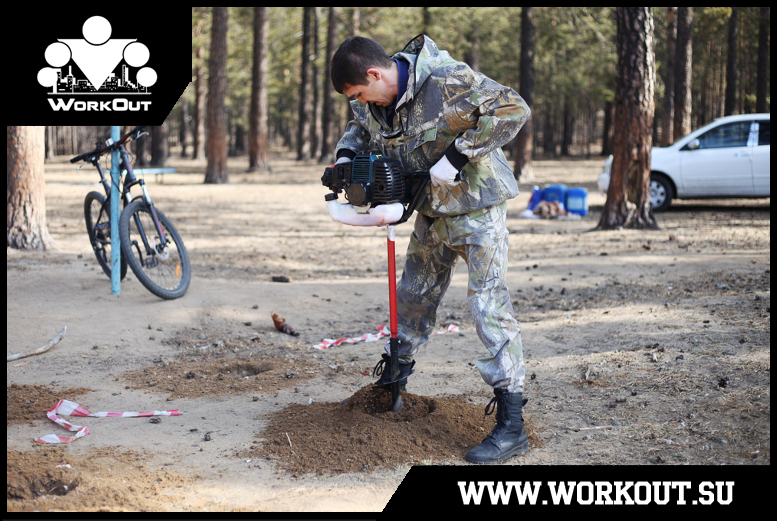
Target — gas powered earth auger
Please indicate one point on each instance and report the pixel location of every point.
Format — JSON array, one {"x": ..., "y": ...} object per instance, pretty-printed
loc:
[{"x": 380, "y": 194}]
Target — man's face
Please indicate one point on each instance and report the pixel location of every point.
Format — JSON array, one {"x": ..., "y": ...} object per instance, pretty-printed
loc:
[{"x": 377, "y": 91}]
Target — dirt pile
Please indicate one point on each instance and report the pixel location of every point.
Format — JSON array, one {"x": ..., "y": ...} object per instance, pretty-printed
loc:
[{"x": 363, "y": 434}]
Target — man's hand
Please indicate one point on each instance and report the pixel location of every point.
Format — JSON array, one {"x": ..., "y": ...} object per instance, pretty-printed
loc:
[
  {"x": 343, "y": 159},
  {"x": 443, "y": 173}
]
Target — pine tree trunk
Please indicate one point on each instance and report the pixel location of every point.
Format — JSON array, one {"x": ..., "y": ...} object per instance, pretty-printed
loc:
[
  {"x": 730, "y": 105},
  {"x": 762, "y": 88},
  {"x": 328, "y": 115},
  {"x": 524, "y": 141},
  {"x": 628, "y": 197},
  {"x": 668, "y": 113},
  {"x": 259, "y": 143},
  {"x": 25, "y": 189},
  {"x": 216, "y": 171},
  {"x": 682, "y": 76},
  {"x": 304, "y": 109}
]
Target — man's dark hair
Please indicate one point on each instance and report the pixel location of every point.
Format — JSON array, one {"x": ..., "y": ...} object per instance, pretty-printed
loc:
[{"x": 352, "y": 59}]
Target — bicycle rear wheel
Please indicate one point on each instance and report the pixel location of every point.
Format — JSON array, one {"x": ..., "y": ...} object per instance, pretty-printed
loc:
[
  {"x": 164, "y": 267},
  {"x": 97, "y": 214}
]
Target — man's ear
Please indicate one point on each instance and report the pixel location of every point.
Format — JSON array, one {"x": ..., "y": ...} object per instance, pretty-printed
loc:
[{"x": 374, "y": 74}]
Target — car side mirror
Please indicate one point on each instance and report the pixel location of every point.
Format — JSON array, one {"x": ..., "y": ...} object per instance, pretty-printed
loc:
[{"x": 694, "y": 145}]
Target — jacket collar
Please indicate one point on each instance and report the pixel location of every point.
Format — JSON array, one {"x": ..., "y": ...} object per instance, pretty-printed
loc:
[{"x": 423, "y": 56}]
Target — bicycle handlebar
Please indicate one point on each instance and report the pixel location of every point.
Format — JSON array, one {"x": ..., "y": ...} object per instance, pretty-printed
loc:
[{"x": 135, "y": 133}]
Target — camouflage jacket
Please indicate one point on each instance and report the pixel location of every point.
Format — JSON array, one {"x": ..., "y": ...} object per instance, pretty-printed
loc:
[{"x": 447, "y": 109}]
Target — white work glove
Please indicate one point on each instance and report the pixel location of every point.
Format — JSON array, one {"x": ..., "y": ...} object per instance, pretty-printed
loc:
[
  {"x": 443, "y": 173},
  {"x": 343, "y": 159}
]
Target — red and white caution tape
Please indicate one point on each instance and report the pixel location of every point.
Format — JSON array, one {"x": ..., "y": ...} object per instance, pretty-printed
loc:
[
  {"x": 371, "y": 337},
  {"x": 68, "y": 408}
]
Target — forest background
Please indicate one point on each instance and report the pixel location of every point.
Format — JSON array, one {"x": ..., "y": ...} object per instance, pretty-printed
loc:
[{"x": 569, "y": 59}]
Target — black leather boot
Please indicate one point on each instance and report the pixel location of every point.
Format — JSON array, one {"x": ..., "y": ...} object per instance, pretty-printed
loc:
[
  {"x": 386, "y": 379},
  {"x": 508, "y": 438}
]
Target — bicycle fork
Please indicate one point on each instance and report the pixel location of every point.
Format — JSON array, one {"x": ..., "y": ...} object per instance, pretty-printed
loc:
[{"x": 150, "y": 250}]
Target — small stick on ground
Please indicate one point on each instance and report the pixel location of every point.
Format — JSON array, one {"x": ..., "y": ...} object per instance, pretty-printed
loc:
[
  {"x": 54, "y": 341},
  {"x": 594, "y": 428}
]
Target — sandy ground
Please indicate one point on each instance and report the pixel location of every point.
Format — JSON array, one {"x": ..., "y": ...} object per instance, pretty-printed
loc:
[{"x": 642, "y": 348}]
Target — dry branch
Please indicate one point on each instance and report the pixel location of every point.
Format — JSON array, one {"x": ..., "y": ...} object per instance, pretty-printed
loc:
[{"x": 54, "y": 341}]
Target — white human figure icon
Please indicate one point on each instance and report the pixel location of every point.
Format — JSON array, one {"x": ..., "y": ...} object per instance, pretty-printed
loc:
[{"x": 97, "y": 55}]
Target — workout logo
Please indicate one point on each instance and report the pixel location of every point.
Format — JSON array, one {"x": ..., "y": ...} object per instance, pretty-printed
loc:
[{"x": 97, "y": 57}]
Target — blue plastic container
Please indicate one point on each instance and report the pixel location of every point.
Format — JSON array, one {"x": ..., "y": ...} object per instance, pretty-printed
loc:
[
  {"x": 536, "y": 197},
  {"x": 577, "y": 201},
  {"x": 555, "y": 193}
]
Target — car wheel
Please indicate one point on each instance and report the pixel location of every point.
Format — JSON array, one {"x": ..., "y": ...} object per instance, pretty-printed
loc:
[{"x": 661, "y": 192}]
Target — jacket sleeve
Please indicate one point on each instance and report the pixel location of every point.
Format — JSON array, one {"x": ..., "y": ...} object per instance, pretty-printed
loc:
[
  {"x": 490, "y": 115},
  {"x": 356, "y": 138}
]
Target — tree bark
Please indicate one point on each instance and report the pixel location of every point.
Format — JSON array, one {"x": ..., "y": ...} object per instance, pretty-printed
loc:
[
  {"x": 328, "y": 114},
  {"x": 198, "y": 127},
  {"x": 524, "y": 142},
  {"x": 259, "y": 144},
  {"x": 730, "y": 105},
  {"x": 628, "y": 196},
  {"x": 671, "y": 41},
  {"x": 303, "y": 128},
  {"x": 217, "y": 145},
  {"x": 762, "y": 87},
  {"x": 159, "y": 151},
  {"x": 682, "y": 75},
  {"x": 25, "y": 189}
]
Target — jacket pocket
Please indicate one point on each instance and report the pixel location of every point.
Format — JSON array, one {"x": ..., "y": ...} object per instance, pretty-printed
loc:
[{"x": 422, "y": 136}]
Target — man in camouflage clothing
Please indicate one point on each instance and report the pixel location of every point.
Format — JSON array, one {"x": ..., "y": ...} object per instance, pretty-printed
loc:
[{"x": 436, "y": 114}]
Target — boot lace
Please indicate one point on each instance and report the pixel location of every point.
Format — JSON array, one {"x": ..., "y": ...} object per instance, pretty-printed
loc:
[{"x": 491, "y": 406}]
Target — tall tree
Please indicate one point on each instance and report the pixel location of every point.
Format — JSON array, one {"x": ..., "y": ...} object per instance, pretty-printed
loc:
[
  {"x": 762, "y": 86},
  {"x": 258, "y": 147},
  {"x": 524, "y": 142},
  {"x": 216, "y": 171},
  {"x": 682, "y": 75},
  {"x": 159, "y": 147},
  {"x": 25, "y": 202},
  {"x": 315, "y": 111},
  {"x": 303, "y": 125},
  {"x": 731, "y": 65},
  {"x": 668, "y": 105},
  {"x": 628, "y": 196},
  {"x": 328, "y": 111},
  {"x": 198, "y": 128}
]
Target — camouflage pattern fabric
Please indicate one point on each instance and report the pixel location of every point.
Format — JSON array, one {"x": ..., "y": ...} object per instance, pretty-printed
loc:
[
  {"x": 446, "y": 103},
  {"x": 480, "y": 238}
]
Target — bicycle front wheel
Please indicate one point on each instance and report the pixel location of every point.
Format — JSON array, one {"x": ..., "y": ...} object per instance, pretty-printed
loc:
[
  {"x": 161, "y": 264},
  {"x": 97, "y": 214}
]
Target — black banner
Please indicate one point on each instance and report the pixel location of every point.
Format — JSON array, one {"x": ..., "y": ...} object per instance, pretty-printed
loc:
[
  {"x": 483, "y": 489},
  {"x": 96, "y": 65}
]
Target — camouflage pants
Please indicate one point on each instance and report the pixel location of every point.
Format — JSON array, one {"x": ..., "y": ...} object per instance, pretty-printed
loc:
[{"x": 480, "y": 238}]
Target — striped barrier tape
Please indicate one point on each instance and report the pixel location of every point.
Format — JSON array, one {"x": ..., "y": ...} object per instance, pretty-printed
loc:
[
  {"x": 68, "y": 408},
  {"x": 371, "y": 337}
]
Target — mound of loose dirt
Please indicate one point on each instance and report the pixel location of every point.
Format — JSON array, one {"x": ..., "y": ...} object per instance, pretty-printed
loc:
[
  {"x": 363, "y": 434},
  {"x": 101, "y": 480}
]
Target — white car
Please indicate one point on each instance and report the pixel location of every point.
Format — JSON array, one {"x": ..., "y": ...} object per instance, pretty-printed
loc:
[{"x": 727, "y": 158}]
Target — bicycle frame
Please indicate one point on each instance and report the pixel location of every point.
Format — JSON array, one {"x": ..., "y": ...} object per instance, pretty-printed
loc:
[{"x": 126, "y": 194}]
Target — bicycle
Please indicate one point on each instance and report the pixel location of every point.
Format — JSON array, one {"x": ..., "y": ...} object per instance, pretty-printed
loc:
[{"x": 150, "y": 244}]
